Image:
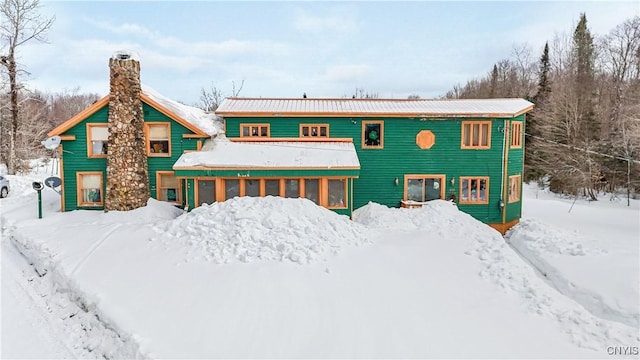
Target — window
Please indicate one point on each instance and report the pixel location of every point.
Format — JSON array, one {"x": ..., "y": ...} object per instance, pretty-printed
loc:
[
  {"x": 206, "y": 192},
  {"x": 312, "y": 190},
  {"x": 167, "y": 186},
  {"x": 337, "y": 193},
  {"x": 372, "y": 134},
  {"x": 314, "y": 130},
  {"x": 97, "y": 136},
  {"x": 423, "y": 188},
  {"x": 231, "y": 188},
  {"x": 474, "y": 190},
  {"x": 252, "y": 187},
  {"x": 516, "y": 134},
  {"x": 272, "y": 187},
  {"x": 254, "y": 130},
  {"x": 515, "y": 182},
  {"x": 292, "y": 188},
  {"x": 158, "y": 135},
  {"x": 476, "y": 135},
  {"x": 90, "y": 189}
]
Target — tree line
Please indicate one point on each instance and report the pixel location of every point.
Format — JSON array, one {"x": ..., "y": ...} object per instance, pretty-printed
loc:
[{"x": 583, "y": 135}]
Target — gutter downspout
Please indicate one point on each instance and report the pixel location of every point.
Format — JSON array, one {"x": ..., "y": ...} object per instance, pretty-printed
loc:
[{"x": 505, "y": 171}]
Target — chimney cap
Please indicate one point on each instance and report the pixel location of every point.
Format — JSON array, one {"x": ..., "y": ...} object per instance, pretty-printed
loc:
[{"x": 126, "y": 55}]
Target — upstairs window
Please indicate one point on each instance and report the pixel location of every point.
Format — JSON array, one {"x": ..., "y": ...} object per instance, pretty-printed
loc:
[
  {"x": 474, "y": 190},
  {"x": 516, "y": 134},
  {"x": 97, "y": 136},
  {"x": 476, "y": 135},
  {"x": 254, "y": 130},
  {"x": 168, "y": 188},
  {"x": 314, "y": 130},
  {"x": 90, "y": 189},
  {"x": 372, "y": 134},
  {"x": 158, "y": 139}
]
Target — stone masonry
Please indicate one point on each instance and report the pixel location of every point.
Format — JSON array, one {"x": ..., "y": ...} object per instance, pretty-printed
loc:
[{"x": 127, "y": 169}]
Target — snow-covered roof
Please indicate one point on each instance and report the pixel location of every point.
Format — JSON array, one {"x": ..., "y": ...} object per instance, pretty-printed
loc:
[
  {"x": 377, "y": 107},
  {"x": 223, "y": 153},
  {"x": 197, "y": 117}
]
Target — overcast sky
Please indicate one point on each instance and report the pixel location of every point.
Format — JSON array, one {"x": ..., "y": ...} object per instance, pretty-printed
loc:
[{"x": 285, "y": 49}]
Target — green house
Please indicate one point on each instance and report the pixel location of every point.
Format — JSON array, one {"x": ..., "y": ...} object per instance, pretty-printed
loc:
[
  {"x": 409, "y": 151},
  {"x": 170, "y": 128},
  {"x": 338, "y": 153}
]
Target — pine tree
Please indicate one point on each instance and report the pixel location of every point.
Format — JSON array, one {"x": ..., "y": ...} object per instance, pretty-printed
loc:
[
  {"x": 540, "y": 101},
  {"x": 584, "y": 59}
]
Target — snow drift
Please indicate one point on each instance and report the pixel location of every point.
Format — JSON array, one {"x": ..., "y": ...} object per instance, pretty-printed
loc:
[{"x": 268, "y": 228}]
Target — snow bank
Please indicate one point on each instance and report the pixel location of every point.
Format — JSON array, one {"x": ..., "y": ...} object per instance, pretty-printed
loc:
[
  {"x": 267, "y": 228},
  {"x": 544, "y": 246},
  {"x": 500, "y": 264}
]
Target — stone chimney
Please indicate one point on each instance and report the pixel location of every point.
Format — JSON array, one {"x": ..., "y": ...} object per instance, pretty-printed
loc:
[{"x": 127, "y": 168}]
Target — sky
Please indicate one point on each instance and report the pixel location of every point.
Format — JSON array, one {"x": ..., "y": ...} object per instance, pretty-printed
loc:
[{"x": 290, "y": 48}]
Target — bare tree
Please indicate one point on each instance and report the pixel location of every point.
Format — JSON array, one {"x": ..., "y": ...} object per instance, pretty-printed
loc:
[
  {"x": 20, "y": 23},
  {"x": 210, "y": 99}
]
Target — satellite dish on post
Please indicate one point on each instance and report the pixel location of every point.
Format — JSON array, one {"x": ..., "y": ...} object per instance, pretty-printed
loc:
[
  {"x": 52, "y": 142},
  {"x": 53, "y": 182}
]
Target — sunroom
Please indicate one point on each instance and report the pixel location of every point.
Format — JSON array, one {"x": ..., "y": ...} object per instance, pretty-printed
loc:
[{"x": 321, "y": 171}]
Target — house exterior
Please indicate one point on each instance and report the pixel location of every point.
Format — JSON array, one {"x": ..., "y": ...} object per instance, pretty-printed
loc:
[
  {"x": 338, "y": 153},
  {"x": 409, "y": 151},
  {"x": 169, "y": 132}
]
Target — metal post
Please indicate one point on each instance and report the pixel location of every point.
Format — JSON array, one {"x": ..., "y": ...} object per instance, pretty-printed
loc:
[{"x": 39, "y": 204}]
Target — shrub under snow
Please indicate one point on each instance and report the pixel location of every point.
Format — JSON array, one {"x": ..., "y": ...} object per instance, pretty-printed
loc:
[{"x": 267, "y": 228}]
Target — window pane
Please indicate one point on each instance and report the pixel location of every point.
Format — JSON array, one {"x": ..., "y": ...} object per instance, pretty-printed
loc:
[
  {"x": 99, "y": 147},
  {"x": 372, "y": 135},
  {"x": 245, "y": 131},
  {"x": 483, "y": 190},
  {"x": 159, "y": 146},
  {"x": 90, "y": 181},
  {"x": 291, "y": 188},
  {"x": 464, "y": 184},
  {"x": 414, "y": 189},
  {"x": 312, "y": 190},
  {"x": 91, "y": 196},
  {"x": 168, "y": 181},
  {"x": 252, "y": 188},
  {"x": 169, "y": 194},
  {"x": 272, "y": 187},
  {"x": 158, "y": 132},
  {"x": 305, "y": 131},
  {"x": 476, "y": 134},
  {"x": 99, "y": 133},
  {"x": 466, "y": 133},
  {"x": 206, "y": 191},
  {"x": 264, "y": 131},
  {"x": 485, "y": 135},
  {"x": 323, "y": 131},
  {"x": 232, "y": 188},
  {"x": 432, "y": 189},
  {"x": 337, "y": 194}
]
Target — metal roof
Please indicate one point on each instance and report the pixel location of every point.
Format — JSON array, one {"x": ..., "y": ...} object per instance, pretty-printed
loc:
[{"x": 373, "y": 107}]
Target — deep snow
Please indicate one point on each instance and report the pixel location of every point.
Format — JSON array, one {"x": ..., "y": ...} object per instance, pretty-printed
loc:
[{"x": 429, "y": 282}]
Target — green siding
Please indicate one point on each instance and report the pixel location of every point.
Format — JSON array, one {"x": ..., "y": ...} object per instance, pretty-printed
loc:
[
  {"x": 401, "y": 156},
  {"x": 75, "y": 157}
]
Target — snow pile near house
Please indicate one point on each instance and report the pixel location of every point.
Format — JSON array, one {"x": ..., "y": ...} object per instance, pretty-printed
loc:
[
  {"x": 500, "y": 264},
  {"x": 268, "y": 228},
  {"x": 207, "y": 122}
]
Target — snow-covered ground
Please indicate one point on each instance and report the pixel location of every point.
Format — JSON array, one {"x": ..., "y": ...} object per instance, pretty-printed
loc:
[{"x": 276, "y": 277}]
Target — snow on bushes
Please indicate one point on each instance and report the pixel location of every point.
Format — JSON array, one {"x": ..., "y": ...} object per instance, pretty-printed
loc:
[{"x": 267, "y": 228}]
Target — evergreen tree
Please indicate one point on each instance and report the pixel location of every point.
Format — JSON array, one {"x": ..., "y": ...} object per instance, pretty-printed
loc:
[
  {"x": 532, "y": 131},
  {"x": 494, "y": 81},
  {"x": 584, "y": 59}
]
